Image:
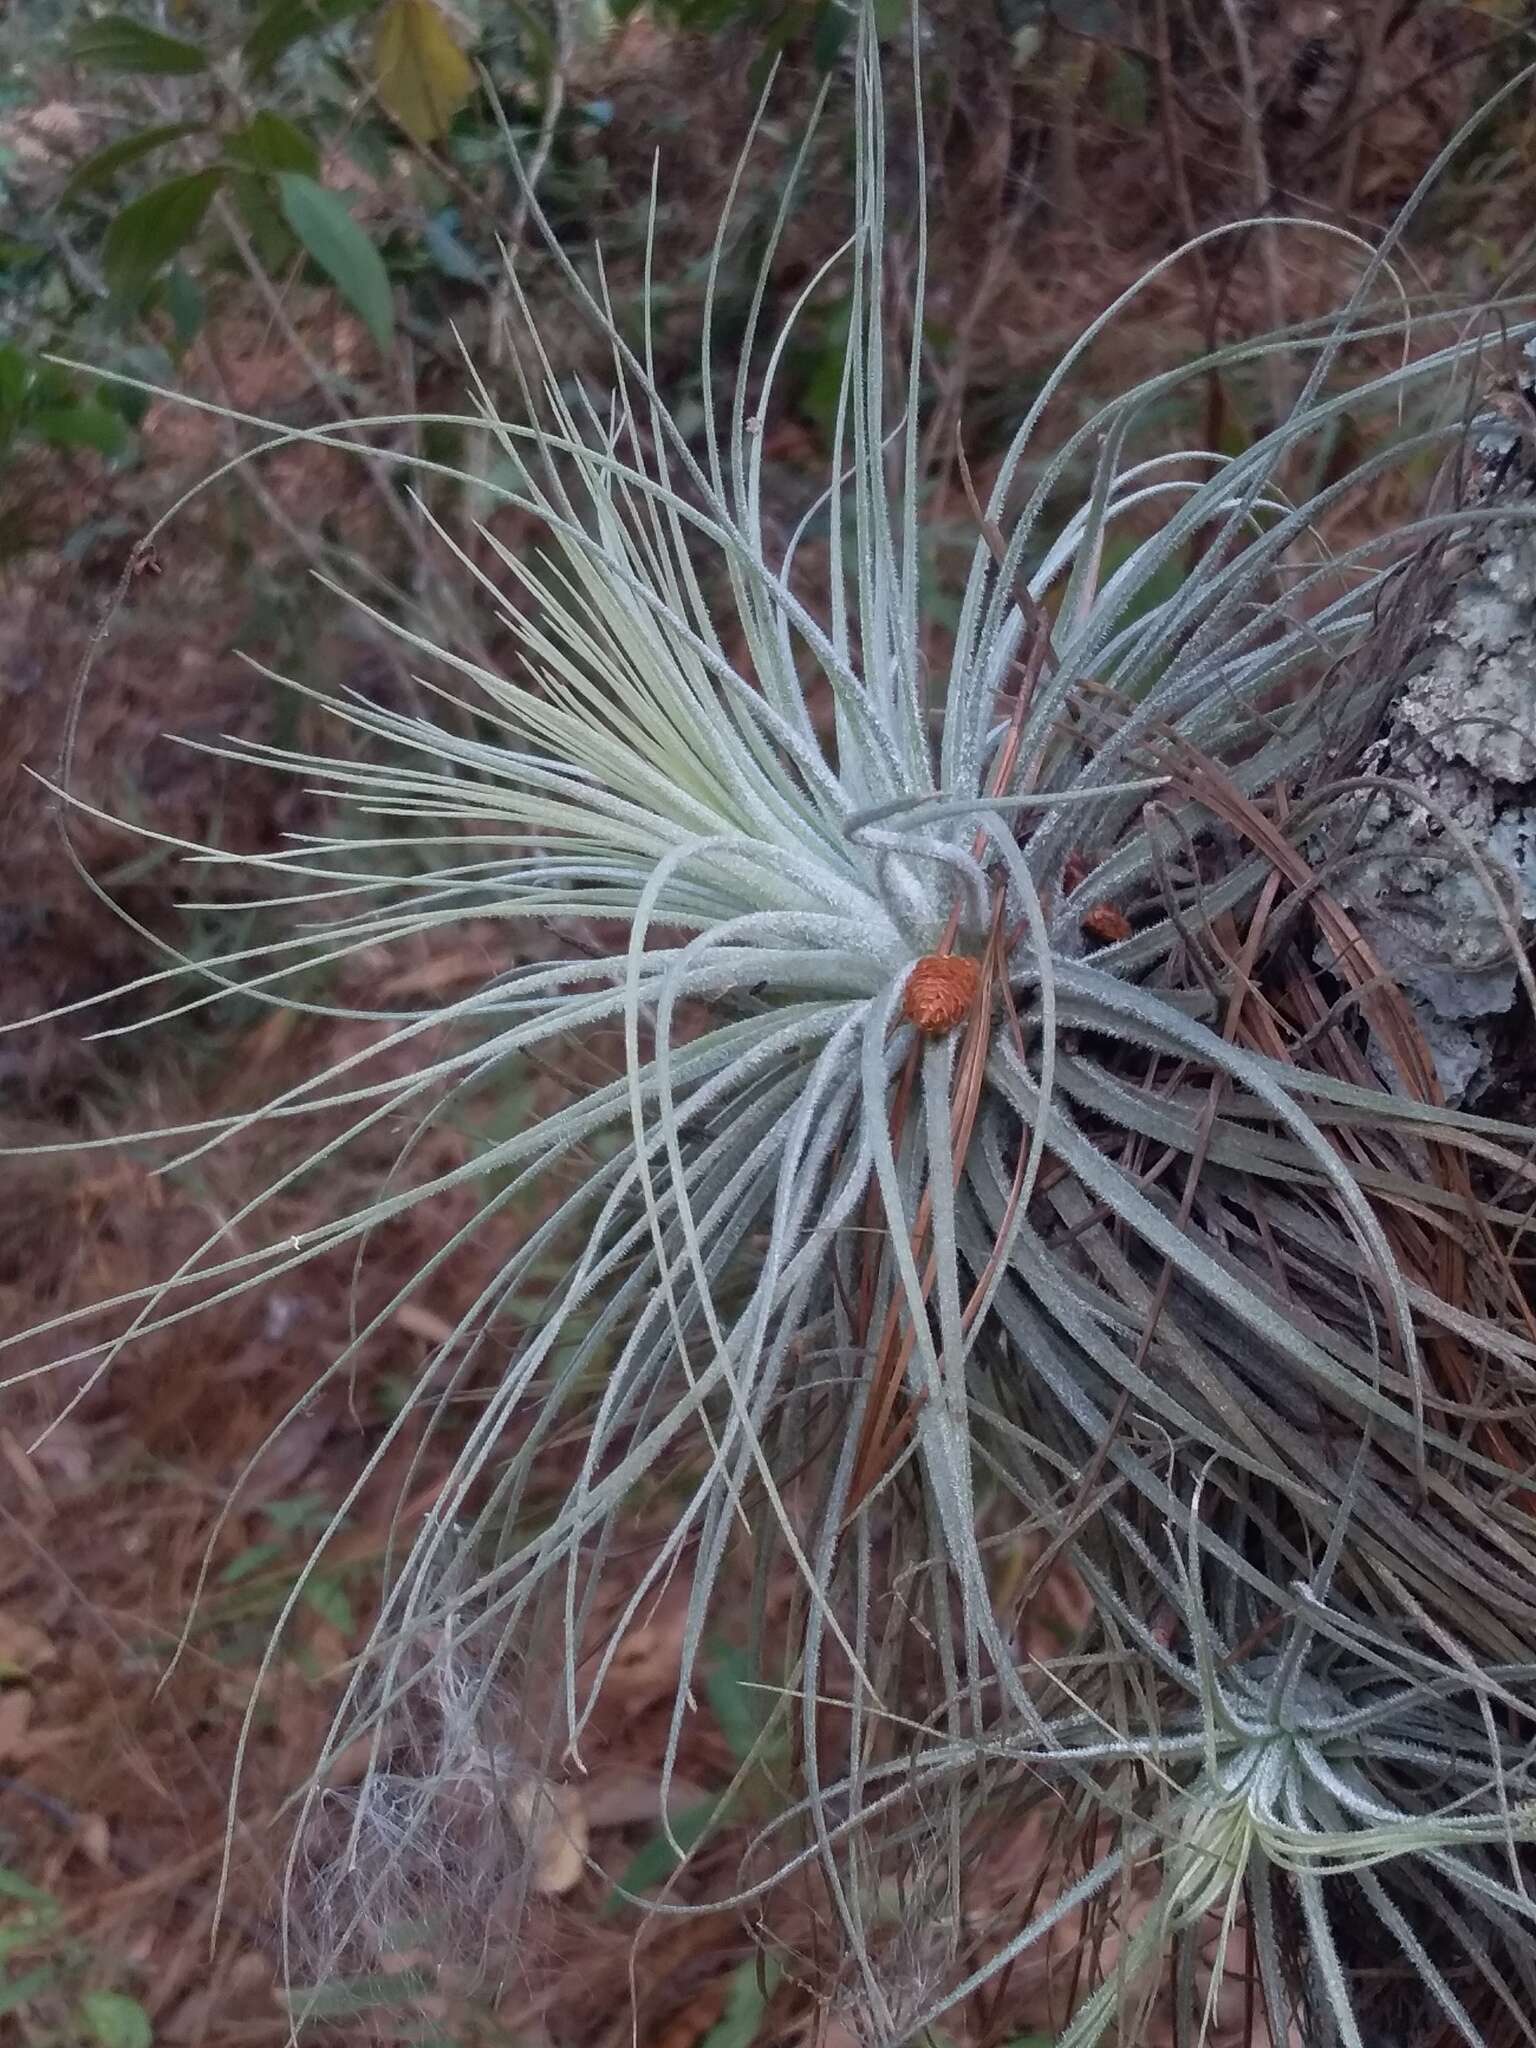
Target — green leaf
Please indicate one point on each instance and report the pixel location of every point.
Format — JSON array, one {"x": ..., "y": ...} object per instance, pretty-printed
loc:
[
  {"x": 824, "y": 378},
  {"x": 103, "y": 167},
  {"x": 89, "y": 424},
  {"x": 115, "y": 2020},
  {"x": 301, "y": 1511},
  {"x": 259, "y": 1557},
  {"x": 119, "y": 43},
  {"x": 829, "y": 33},
  {"x": 15, "y": 379},
  {"x": 741, "y": 1710},
  {"x": 255, "y": 201},
  {"x": 656, "y": 1862},
  {"x": 52, "y": 385},
  {"x": 751, "y": 1988},
  {"x": 31, "y": 1984},
  {"x": 184, "y": 303},
  {"x": 15, "y": 254},
  {"x": 287, "y": 22},
  {"x": 422, "y": 76},
  {"x": 149, "y": 362},
  {"x": 1127, "y": 98},
  {"x": 338, "y": 245},
  {"x": 343, "y": 1997},
  {"x": 148, "y": 233},
  {"x": 327, "y": 1598},
  {"x": 14, "y": 1886},
  {"x": 269, "y": 143}
]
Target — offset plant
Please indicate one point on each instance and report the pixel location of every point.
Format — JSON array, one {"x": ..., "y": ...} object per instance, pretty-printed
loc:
[{"x": 1014, "y": 1140}]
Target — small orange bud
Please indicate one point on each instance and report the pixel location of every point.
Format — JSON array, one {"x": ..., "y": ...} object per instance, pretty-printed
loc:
[
  {"x": 1106, "y": 924},
  {"x": 940, "y": 990}
]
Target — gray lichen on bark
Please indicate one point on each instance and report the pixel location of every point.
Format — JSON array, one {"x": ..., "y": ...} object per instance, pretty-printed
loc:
[{"x": 1454, "y": 758}]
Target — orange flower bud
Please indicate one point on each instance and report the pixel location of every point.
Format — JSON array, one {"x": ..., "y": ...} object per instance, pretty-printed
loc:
[
  {"x": 1107, "y": 924},
  {"x": 940, "y": 990}
]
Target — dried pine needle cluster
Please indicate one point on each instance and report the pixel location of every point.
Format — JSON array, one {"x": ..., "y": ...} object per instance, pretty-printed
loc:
[{"x": 1018, "y": 1155}]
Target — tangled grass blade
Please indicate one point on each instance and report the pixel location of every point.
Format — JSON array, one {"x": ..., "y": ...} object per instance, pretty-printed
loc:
[{"x": 990, "y": 1159}]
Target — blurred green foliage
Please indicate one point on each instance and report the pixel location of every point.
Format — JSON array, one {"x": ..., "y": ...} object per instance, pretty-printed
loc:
[
  {"x": 342, "y": 143},
  {"x": 333, "y": 142},
  {"x": 51, "y": 1994}
]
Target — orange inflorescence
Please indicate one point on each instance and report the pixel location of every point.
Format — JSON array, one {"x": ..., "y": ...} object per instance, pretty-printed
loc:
[
  {"x": 940, "y": 990},
  {"x": 1104, "y": 922},
  {"x": 1107, "y": 924}
]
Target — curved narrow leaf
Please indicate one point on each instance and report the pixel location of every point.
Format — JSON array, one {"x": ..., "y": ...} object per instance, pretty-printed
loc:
[
  {"x": 422, "y": 75},
  {"x": 657, "y": 1860},
  {"x": 746, "y": 2004},
  {"x": 119, "y": 43},
  {"x": 147, "y": 234},
  {"x": 102, "y": 167},
  {"x": 330, "y": 235}
]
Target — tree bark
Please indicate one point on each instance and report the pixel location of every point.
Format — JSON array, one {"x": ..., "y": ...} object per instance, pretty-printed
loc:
[{"x": 1437, "y": 861}]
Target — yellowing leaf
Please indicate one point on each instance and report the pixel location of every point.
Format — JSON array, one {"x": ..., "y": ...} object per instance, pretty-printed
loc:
[
  {"x": 553, "y": 1823},
  {"x": 23, "y": 1648},
  {"x": 422, "y": 75}
]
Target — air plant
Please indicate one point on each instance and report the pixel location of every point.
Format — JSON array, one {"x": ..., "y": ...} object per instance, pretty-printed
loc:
[
  {"x": 1013, "y": 1133},
  {"x": 1363, "y": 1813}
]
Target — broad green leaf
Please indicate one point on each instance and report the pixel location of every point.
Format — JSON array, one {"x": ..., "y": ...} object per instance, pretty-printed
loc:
[
  {"x": 148, "y": 233},
  {"x": 751, "y": 1988},
  {"x": 287, "y": 22},
  {"x": 119, "y": 43},
  {"x": 341, "y": 249},
  {"x": 422, "y": 75},
  {"x": 267, "y": 142},
  {"x": 103, "y": 167},
  {"x": 115, "y": 2021},
  {"x": 255, "y": 201},
  {"x": 86, "y": 425}
]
